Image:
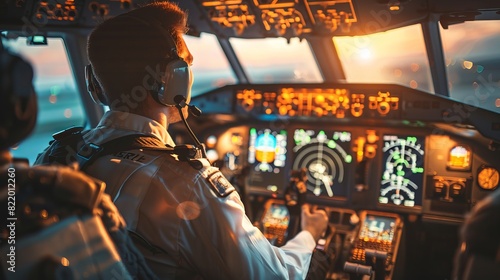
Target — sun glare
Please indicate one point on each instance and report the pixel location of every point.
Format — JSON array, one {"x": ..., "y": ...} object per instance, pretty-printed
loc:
[{"x": 365, "y": 54}]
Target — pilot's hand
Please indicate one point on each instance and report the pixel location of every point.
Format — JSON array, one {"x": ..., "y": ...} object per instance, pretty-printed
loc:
[{"x": 314, "y": 221}]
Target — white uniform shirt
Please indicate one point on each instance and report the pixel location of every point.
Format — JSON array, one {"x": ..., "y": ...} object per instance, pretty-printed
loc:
[{"x": 198, "y": 233}]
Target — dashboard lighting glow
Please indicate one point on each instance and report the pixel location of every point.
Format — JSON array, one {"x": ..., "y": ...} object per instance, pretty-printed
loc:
[
  {"x": 394, "y": 8},
  {"x": 272, "y": 188},
  {"x": 459, "y": 158}
]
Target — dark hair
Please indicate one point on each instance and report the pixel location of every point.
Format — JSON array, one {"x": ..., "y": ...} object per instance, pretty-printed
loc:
[{"x": 121, "y": 48}]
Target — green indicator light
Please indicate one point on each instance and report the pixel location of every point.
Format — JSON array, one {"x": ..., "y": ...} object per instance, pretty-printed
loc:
[
  {"x": 348, "y": 159},
  {"x": 411, "y": 139},
  {"x": 332, "y": 144},
  {"x": 253, "y": 131},
  {"x": 300, "y": 137},
  {"x": 417, "y": 170},
  {"x": 38, "y": 39}
]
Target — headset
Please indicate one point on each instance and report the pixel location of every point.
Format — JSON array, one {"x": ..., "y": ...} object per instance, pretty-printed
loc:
[{"x": 176, "y": 79}]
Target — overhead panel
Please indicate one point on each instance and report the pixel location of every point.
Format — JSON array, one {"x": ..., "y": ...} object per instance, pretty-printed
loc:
[
  {"x": 281, "y": 18},
  {"x": 232, "y": 14},
  {"x": 329, "y": 16}
]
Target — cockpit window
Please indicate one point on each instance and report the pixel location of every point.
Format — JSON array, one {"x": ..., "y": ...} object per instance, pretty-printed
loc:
[
  {"x": 210, "y": 66},
  {"x": 59, "y": 104},
  {"x": 473, "y": 63},
  {"x": 395, "y": 56},
  {"x": 274, "y": 60}
]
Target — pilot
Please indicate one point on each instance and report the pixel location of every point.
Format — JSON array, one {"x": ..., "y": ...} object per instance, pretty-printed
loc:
[
  {"x": 184, "y": 215},
  {"x": 53, "y": 209},
  {"x": 478, "y": 255}
]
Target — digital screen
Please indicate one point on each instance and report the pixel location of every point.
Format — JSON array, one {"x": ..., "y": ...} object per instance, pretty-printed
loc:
[
  {"x": 327, "y": 157},
  {"x": 459, "y": 158},
  {"x": 267, "y": 158},
  {"x": 377, "y": 228},
  {"x": 276, "y": 215},
  {"x": 402, "y": 177}
]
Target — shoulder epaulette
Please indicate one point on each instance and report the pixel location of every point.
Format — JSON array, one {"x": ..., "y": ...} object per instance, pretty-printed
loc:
[{"x": 61, "y": 135}]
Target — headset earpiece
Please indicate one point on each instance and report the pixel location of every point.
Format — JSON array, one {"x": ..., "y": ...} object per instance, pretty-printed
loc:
[
  {"x": 93, "y": 87},
  {"x": 177, "y": 80},
  {"x": 177, "y": 77}
]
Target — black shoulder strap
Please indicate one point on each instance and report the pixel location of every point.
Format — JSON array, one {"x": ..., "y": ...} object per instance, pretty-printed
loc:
[
  {"x": 89, "y": 152},
  {"x": 69, "y": 146}
]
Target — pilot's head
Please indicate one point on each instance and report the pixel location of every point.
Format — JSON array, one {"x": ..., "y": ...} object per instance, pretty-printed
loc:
[
  {"x": 140, "y": 59},
  {"x": 18, "y": 105}
]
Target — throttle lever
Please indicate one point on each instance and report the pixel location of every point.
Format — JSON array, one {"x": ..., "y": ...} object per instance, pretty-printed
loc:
[{"x": 295, "y": 197}]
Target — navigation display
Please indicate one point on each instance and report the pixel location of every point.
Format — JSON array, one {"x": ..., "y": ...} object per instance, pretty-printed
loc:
[
  {"x": 267, "y": 158},
  {"x": 377, "y": 228},
  {"x": 326, "y": 156},
  {"x": 402, "y": 178}
]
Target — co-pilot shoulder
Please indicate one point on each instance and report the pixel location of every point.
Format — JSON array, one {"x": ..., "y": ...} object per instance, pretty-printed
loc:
[
  {"x": 200, "y": 170},
  {"x": 217, "y": 182}
]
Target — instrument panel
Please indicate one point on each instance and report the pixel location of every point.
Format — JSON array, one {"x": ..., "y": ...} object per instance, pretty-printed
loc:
[
  {"x": 374, "y": 147},
  {"x": 404, "y": 170}
]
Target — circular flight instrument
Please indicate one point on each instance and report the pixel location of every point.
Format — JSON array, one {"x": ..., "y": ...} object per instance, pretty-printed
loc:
[
  {"x": 488, "y": 178},
  {"x": 402, "y": 177},
  {"x": 325, "y": 160}
]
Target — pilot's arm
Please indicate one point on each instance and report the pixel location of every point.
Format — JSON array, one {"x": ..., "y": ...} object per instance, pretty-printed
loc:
[
  {"x": 230, "y": 247},
  {"x": 199, "y": 223}
]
